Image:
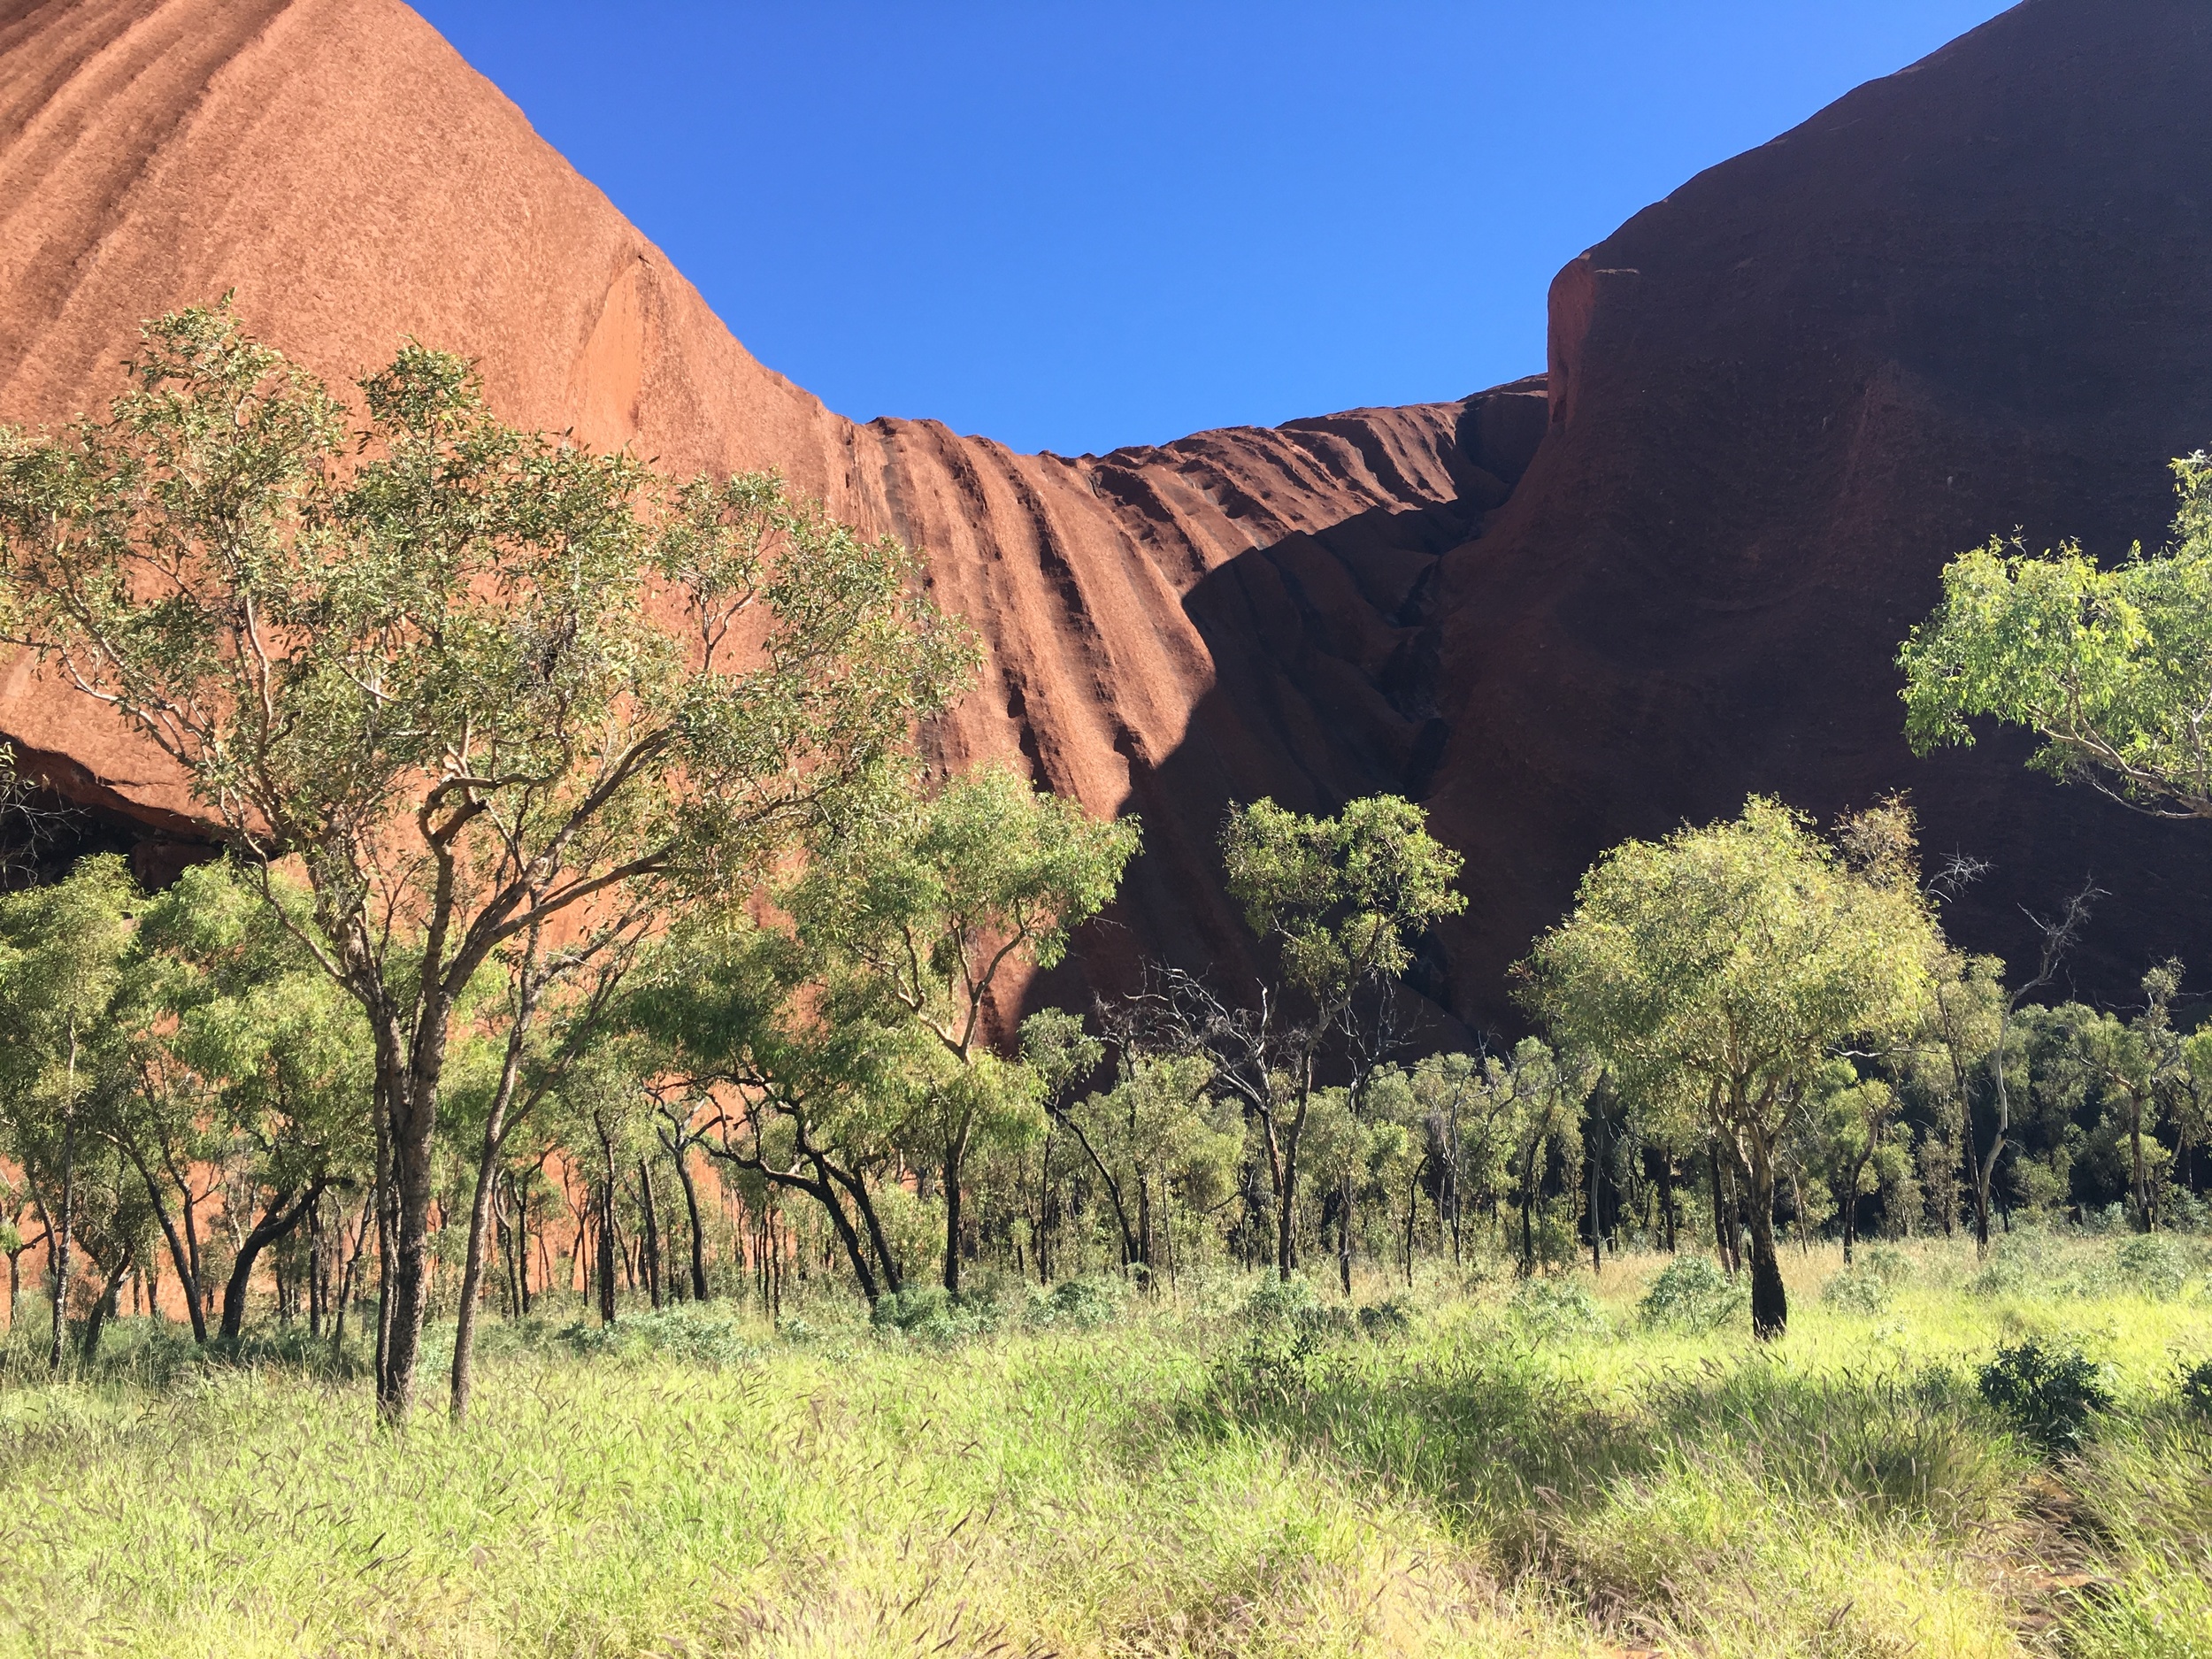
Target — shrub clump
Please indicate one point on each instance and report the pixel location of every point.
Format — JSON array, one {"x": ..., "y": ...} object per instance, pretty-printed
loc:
[
  {"x": 1693, "y": 1293},
  {"x": 1867, "y": 1285},
  {"x": 1557, "y": 1308},
  {"x": 2196, "y": 1388},
  {"x": 929, "y": 1313},
  {"x": 2046, "y": 1389},
  {"x": 1393, "y": 1317},
  {"x": 703, "y": 1334},
  {"x": 1082, "y": 1304},
  {"x": 2153, "y": 1265}
]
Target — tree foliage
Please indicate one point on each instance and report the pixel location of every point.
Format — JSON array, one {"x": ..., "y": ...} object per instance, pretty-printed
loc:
[
  {"x": 2111, "y": 666},
  {"x": 1714, "y": 972}
]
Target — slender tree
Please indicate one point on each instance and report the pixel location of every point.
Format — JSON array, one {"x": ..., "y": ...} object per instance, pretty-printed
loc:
[
  {"x": 1340, "y": 903},
  {"x": 1714, "y": 972},
  {"x": 476, "y": 679},
  {"x": 936, "y": 906}
]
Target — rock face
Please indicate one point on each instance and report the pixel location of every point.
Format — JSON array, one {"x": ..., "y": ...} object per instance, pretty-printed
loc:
[
  {"x": 1967, "y": 298},
  {"x": 1238, "y": 612},
  {"x": 1962, "y": 298}
]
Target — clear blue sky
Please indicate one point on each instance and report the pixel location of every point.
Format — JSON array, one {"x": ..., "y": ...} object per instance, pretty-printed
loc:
[{"x": 1073, "y": 226}]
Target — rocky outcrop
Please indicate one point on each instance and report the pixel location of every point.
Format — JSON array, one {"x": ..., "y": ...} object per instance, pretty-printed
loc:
[
  {"x": 1239, "y": 612},
  {"x": 1965, "y": 297}
]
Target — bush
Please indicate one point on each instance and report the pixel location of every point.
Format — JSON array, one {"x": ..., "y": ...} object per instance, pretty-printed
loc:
[
  {"x": 2196, "y": 1388},
  {"x": 1278, "y": 1300},
  {"x": 1083, "y": 1304},
  {"x": 707, "y": 1334},
  {"x": 1557, "y": 1308},
  {"x": 1854, "y": 1290},
  {"x": 1692, "y": 1293},
  {"x": 929, "y": 1313},
  {"x": 2153, "y": 1265},
  {"x": 2048, "y": 1390},
  {"x": 1868, "y": 1284},
  {"x": 1393, "y": 1317}
]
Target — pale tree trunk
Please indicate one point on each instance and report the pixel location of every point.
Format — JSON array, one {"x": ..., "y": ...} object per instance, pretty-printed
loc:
[
  {"x": 61, "y": 1237},
  {"x": 479, "y": 1204}
]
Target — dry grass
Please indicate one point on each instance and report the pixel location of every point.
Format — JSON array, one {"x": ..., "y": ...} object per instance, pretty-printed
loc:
[{"x": 1187, "y": 1480}]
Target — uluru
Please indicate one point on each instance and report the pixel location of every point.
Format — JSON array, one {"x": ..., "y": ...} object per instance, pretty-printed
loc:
[{"x": 1668, "y": 570}]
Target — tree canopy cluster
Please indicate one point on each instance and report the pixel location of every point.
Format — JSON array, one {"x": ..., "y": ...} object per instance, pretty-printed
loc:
[{"x": 589, "y": 926}]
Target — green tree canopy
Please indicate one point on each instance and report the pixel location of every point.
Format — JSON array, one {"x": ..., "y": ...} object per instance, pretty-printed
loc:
[
  {"x": 2111, "y": 666},
  {"x": 1714, "y": 972},
  {"x": 477, "y": 679},
  {"x": 935, "y": 904}
]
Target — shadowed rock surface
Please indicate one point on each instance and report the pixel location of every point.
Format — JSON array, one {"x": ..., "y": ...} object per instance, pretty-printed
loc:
[{"x": 1968, "y": 296}]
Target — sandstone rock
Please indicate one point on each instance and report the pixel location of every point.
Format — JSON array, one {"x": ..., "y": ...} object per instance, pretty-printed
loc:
[{"x": 1965, "y": 297}]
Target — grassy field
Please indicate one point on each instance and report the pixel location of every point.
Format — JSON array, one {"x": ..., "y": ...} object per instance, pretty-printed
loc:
[{"x": 1466, "y": 1469}]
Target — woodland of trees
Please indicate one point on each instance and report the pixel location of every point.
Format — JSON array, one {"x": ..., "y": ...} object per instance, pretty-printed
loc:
[{"x": 571, "y": 946}]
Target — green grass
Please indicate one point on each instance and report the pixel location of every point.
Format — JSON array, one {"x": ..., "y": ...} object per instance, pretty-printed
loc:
[{"x": 1187, "y": 1479}]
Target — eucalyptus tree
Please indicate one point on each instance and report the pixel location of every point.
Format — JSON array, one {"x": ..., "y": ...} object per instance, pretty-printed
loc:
[
  {"x": 61, "y": 962},
  {"x": 487, "y": 686},
  {"x": 2111, "y": 666},
  {"x": 1714, "y": 971},
  {"x": 780, "y": 1067},
  {"x": 932, "y": 907},
  {"x": 1534, "y": 1100},
  {"x": 1158, "y": 1142},
  {"x": 241, "y": 1053},
  {"x": 1339, "y": 903},
  {"x": 1854, "y": 1122}
]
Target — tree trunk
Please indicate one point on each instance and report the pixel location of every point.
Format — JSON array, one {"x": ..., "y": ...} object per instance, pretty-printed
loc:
[
  {"x": 414, "y": 1122},
  {"x": 652, "y": 1241},
  {"x": 2143, "y": 1220},
  {"x": 698, "y": 1233},
  {"x": 1974, "y": 1177},
  {"x": 180, "y": 1256},
  {"x": 59, "y": 1236},
  {"x": 1344, "y": 1233},
  {"x": 1287, "y": 1190},
  {"x": 386, "y": 1197},
  {"x": 955, "y": 1153},
  {"x": 1770, "y": 1303},
  {"x": 1727, "y": 1246},
  {"x": 276, "y": 1222},
  {"x": 346, "y": 1277},
  {"x": 488, "y": 1174},
  {"x": 103, "y": 1309}
]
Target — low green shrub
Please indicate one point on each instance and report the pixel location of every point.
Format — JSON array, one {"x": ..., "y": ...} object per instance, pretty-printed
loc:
[
  {"x": 2153, "y": 1265},
  {"x": 1082, "y": 1304},
  {"x": 2196, "y": 1388},
  {"x": 2046, "y": 1389},
  {"x": 701, "y": 1333},
  {"x": 1391, "y": 1317},
  {"x": 1868, "y": 1285},
  {"x": 1557, "y": 1308},
  {"x": 929, "y": 1313},
  {"x": 1693, "y": 1293}
]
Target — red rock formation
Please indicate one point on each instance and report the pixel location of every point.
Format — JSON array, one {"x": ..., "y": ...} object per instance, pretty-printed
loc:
[
  {"x": 1966, "y": 297},
  {"x": 1252, "y": 603}
]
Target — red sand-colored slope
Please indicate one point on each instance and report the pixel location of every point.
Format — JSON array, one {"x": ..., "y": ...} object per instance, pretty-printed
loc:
[{"x": 1965, "y": 297}]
